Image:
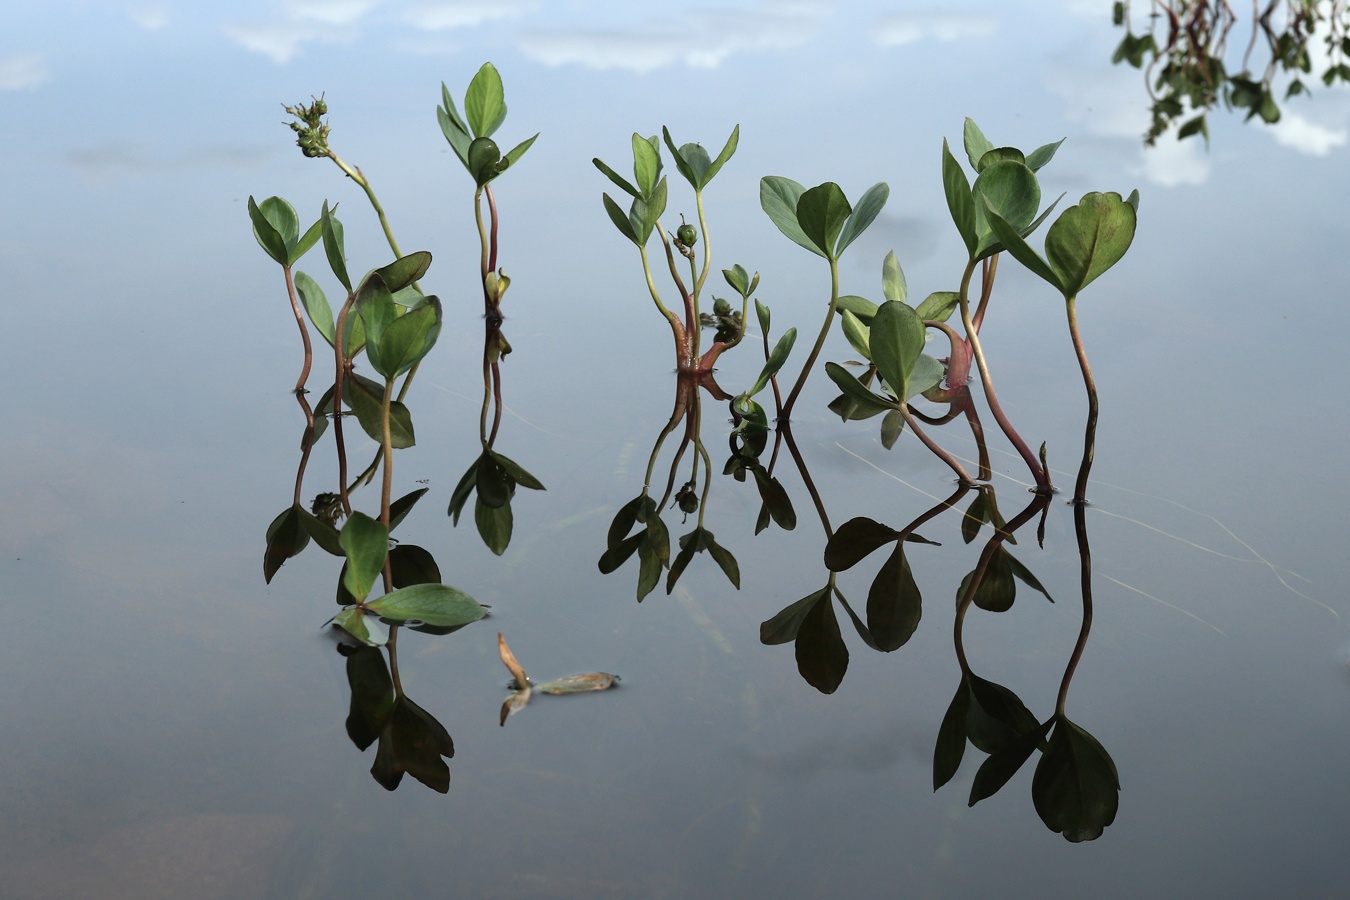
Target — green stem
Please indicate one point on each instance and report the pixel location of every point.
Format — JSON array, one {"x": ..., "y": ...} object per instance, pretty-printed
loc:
[
  {"x": 1090, "y": 435},
  {"x": 820, "y": 342},
  {"x": 387, "y": 445},
  {"x": 354, "y": 173},
  {"x": 676, "y": 327},
  {"x": 707, "y": 246}
]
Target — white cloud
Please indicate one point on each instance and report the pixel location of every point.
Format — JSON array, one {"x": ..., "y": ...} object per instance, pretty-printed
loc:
[
  {"x": 24, "y": 73},
  {"x": 910, "y": 28},
  {"x": 464, "y": 13},
  {"x": 1173, "y": 163},
  {"x": 151, "y": 18},
  {"x": 1307, "y": 137},
  {"x": 281, "y": 41},
  {"x": 701, "y": 39},
  {"x": 329, "y": 12}
]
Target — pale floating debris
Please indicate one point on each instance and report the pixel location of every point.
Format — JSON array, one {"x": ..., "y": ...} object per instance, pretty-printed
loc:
[
  {"x": 578, "y": 684},
  {"x": 515, "y": 703},
  {"x": 509, "y": 659}
]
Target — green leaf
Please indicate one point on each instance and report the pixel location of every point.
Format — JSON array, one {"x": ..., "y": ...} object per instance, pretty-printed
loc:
[
  {"x": 316, "y": 306},
  {"x": 405, "y": 270},
  {"x": 894, "y": 604},
  {"x": 822, "y": 656},
  {"x": 856, "y": 332},
  {"x": 869, "y": 206},
  {"x": 822, "y": 212},
  {"x": 977, "y": 145},
  {"x": 620, "y": 219},
  {"x": 353, "y": 621},
  {"x": 938, "y": 306},
  {"x": 784, "y": 626},
  {"x": 615, "y": 177},
  {"x": 763, "y": 314},
  {"x": 267, "y": 234},
  {"x": 1088, "y": 239},
  {"x": 893, "y": 284},
  {"x": 855, "y": 391},
  {"x": 377, "y": 311},
  {"x": 998, "y": 154},
  {"x": 433, "y": 604},
  {"x": 855, "y": 540},
  {"x": 485, "y": 160},
  {"x": 728, "y": 150},
  {"x": 286, "y": 537},
  {"x": 646, "y": 163},
  {"x": 453, "y": 127},
  {"x": 494, "y": 525},
  {"x": 1009, "y": 189},
  {"x": 407, "y": 340},
  {"x": 644, "y": 213},
  {"x": 739, "y": 280},
  {"x": 333, "y": 246},
  {"x": 515, "y": 153},
  {"x": 892, "y": 424},
  {"x": 959, "y": 200},
  {"x": 1076, "y": 788},
  {"x": 365, "y": 398},
  {"x": 777, "y": 357},
  {"x": 778, "y": 197},
  {"x": 861, "y": 307},
  {"x": 1042, "y": 155},
  {"x": 1020, "y": 250},
  {"x": 897, "y": 340},
  {"x": 485, "y": 104},
  {"x": 366, "y": 542}
]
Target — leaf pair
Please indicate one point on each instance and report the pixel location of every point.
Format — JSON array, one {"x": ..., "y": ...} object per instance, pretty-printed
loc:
[
  {"x": 493, "y": 478},
  {"x": 894, "y": 603},
  {"x": 485, "y": 109},
  {"x": 395, "y": 341},
  {"x": 411, "y": 740},
  {"x": 693, "y": 161},
  {"x": 697, "y": 541},
  {"x": 277, "y": 230},
  {"x": 652, "y": 543},
  {"x": 648, "y": 191},
  {"x": 819, "y": 219},
  {"x": 894, "y": 343}
]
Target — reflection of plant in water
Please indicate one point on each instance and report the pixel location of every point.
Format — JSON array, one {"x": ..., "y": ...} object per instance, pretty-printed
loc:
[
  {"x": 652, "y": 542},
  {"x": 1187, "y": 75},
  {"x": 492, "y": 478},
  {"x": 411, "y": 740}
]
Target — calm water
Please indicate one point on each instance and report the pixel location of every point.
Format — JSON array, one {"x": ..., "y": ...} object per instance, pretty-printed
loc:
[{"x": 174, "y": 726}]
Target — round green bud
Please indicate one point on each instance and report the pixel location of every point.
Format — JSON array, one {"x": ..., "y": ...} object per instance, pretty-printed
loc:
[{"x": 686, "y": 234}]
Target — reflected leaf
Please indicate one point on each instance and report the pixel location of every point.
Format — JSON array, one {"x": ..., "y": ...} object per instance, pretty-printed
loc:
[
  {"x": 286, "y": 537},
  {"x": 951, "y": 739},
  {"x": 996, "y": 716},
  {"x": 997, "y": 589},
  {"x": 854, "y": 540},
  {"x": 784, "y": 627},
  {"x": 372, "y": 694},
  {"x": 995, "y": 771},
  {"x": 1076, "y": 788},
  {"x": 410, "y": 564},
  {"x": 514, "y": 703},
  {"x": 398, "y": 509},
  {"x": 494, "y": 525},
  {"x": 522, "y": 681},
  {"x": 894, "y": 604},
  {"x": 413, "y": 742},
  {"x": 822, "y": 656}
]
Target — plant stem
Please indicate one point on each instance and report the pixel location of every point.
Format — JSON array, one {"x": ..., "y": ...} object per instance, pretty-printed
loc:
[
  {"x": 973, "y": 336},
  {"x": 928, "y": 442},
  {"x": 1085, "y": 579},
  {"x": 339, "y": 345},
  {"x": 304, "y": 332},
  {"x": 676, "y": 327},
  {"x": 820, "y": 342},
  {"x": 386, "y": 444},
  {"x": 1090, "y": 436},
  {"x": 355, "y": 174}
]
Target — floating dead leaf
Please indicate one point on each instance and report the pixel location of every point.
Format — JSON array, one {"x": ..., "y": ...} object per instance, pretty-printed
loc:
[
  {"x": 518, "y": 673},
  {"x": 515, "y": 703},
  {"x": 578, "y": 684}
]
